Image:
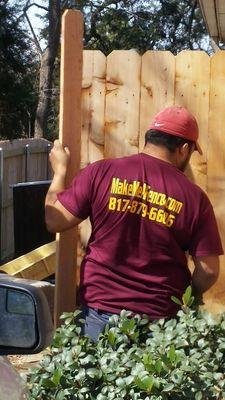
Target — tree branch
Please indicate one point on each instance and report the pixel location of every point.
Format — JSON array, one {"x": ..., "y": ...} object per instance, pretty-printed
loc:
[
  {"x": 37, "y": 44},
  {"x": 27, "y": 6},
  {"x": 108, "y": 3},
  {"x": 191, "y": 17}
]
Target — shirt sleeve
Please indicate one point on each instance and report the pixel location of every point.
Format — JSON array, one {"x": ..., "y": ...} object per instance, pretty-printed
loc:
[
  {"x": 77, "y": 198},
  {"x": 206, "y": 238}
]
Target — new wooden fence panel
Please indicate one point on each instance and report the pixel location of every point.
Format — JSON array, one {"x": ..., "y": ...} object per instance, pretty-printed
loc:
[
  {"x": 166, "y": 80},
  {"x": 192, "y": 83},
  {"x": 157, "y": 87},
  {"x": 215, "y": 298},
  {"x": 122, "y": 103}
]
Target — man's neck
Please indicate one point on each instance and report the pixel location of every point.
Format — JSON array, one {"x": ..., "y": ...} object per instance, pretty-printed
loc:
[{"x": 159, "y": 152}]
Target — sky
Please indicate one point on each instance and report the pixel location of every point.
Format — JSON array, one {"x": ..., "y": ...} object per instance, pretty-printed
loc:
[{"x": 36, "y": 22}]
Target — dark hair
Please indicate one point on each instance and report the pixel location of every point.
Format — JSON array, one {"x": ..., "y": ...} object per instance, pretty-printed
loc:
[{"x": 165, "y": 139}]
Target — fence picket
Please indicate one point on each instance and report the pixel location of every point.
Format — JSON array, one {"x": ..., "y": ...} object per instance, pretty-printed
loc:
[
  {"x": 97, "y": 133},
  {"x": 215, "y": 298},
  {"x": 192, "y": 91},
  {"x": 14, "y": 172},
  {"x": 157, "y": 87},
  {"x": 86, "y": 96},
  {"x": 122, "y": 103}
]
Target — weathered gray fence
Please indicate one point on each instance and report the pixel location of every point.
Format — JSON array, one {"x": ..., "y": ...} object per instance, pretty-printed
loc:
[{"x": 21, "y": 160}]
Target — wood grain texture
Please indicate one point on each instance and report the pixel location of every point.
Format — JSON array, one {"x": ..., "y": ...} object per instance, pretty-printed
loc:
[
  {"x": 97, "y": 133},
  {"x": 93, "y": 121},
  {"x": 192, "y": 83},
  {"x": 215, "y": 298},
  {"x": 157, "y": 87},
  {"x": 37, "y": 264},
  {"x": 93, "y": 106},
  {"x": 122, "y": 103},
  {"x": 70, "y": 135},
  {"x": 86, "y": 106}
]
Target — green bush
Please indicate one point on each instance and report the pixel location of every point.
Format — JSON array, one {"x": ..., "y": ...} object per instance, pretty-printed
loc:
[{"x": 181, "y": 358}]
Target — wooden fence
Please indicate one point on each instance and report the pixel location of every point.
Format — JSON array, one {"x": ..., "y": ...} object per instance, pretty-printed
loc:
[
  {"x": 21, "y": 160},
  {"x": 122, "y": 93}
]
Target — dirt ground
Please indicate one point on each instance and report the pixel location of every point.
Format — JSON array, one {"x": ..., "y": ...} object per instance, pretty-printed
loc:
[{"x": 23, "y": 363}]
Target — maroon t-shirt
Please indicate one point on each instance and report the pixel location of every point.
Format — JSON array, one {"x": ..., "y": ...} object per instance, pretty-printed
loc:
[{"x": 145, "y": 214}]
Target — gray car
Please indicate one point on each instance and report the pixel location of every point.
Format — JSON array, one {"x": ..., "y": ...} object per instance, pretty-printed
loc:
[{"x": 26, "y": 327}]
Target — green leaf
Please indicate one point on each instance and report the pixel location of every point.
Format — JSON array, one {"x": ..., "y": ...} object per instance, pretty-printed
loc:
[
  {"x": 84, "y": 390},
  {"x": 66, "y": 315},
  {"x": 177, "y": 377},
  {"x": 47, "y": 383},
  {"x": 60, "y": 395},
  {"x": 187, "y": 296},
  {"x": 146, "y": 383},
  {"x": 93, "y": 373},
  {"x": 168, "y": 388},
  {"x": 172, "y": 354},
  {"x": 111, "y": 337},
  {"x": 198, "y": 396},
  {"x": 129, "y": 379},
  {"x": 56, "y": 376},
  {"x": 127, "y": 325},
  {"x": 88, "y": 359},
  {"x": 176, "y": 300},
  {"x": 120, "y": 382},
  {"x": 124, "y": 314},
  {"x": 201, "y": 343},
  {"x": 102, "y": 397},
  {"x": 158, "y": 366},
  {"x": 146, "y": 358}
]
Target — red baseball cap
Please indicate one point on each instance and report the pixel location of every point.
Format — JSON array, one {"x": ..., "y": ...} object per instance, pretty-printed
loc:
[{"x": 177, "y": 121}]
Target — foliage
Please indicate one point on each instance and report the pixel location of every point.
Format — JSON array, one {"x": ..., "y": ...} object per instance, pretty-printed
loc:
[
  {"x": 110, "y": 24},
  {"x": 18, "y": 94},
  {"x": 177, "y": 359},
  {"x": 143, "y": 25},
  {"x": 131, "y": 24}
]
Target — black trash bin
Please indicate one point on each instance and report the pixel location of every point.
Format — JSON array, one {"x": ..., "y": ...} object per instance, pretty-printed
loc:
[{"x": 29, "y": 223}]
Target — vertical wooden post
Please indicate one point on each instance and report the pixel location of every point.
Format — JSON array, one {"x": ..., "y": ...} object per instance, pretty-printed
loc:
[{"x": 69, "y": 134}]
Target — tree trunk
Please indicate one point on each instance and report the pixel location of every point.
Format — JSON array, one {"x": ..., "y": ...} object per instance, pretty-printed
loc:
[{"x": 47, "y": 68}]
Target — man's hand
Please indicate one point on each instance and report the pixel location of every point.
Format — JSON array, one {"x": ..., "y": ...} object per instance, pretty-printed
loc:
[
  {"x": 59, "y": 157},
  {"x": 205, "y": 273},
  {"x": 57, "y": 218}
]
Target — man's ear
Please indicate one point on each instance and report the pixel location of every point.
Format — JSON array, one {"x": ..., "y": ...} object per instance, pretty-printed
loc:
[{"x": 184, "y": 149}]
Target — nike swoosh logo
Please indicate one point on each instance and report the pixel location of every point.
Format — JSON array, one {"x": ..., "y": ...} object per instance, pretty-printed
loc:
[{"x": 157, "y": 124}]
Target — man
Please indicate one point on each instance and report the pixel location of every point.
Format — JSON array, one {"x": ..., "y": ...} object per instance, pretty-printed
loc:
[{"x": 145, "y": 215}]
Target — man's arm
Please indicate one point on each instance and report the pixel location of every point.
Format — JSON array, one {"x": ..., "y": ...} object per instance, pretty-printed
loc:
[
  {"x": 57, "y": 218},
  {"x": 205, "y": 273}
]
